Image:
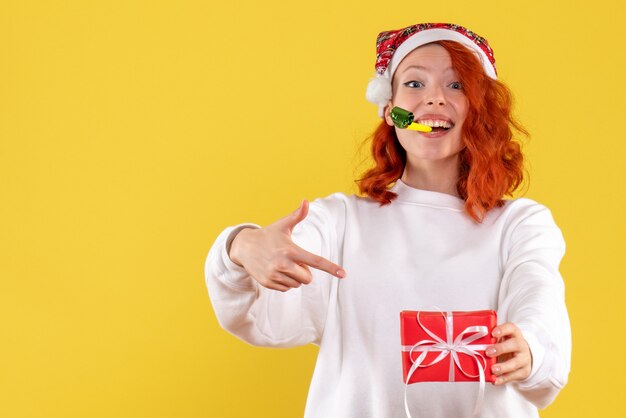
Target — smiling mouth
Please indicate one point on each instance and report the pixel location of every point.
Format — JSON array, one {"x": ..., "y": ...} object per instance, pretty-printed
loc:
[{"x": 436, "y": 125}]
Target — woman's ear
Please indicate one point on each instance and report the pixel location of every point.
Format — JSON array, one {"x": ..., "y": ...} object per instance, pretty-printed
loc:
[{"x": 388, "y": 108}]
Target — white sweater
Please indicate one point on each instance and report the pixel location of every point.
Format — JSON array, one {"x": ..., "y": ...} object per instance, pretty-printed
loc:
[{"x": 420, "y": 251}]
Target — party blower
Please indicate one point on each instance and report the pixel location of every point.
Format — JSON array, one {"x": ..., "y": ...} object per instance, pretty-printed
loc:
[{"x": 404, "y": 119}]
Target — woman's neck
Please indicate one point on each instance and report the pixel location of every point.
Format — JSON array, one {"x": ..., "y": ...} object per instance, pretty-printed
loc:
[{"x": 436, "y": 176}]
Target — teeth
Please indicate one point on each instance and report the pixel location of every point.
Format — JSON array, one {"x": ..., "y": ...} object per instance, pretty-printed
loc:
[{"x": 435, "y": 123}]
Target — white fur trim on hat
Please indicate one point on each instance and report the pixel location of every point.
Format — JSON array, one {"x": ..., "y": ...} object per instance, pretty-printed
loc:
[{"x": 431, "y": 35}]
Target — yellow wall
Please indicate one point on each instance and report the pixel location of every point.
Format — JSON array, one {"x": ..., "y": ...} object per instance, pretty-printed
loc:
[{"x": 132, "y": 132}]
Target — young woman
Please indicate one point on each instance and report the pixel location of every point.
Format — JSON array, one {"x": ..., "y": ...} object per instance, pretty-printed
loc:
[{"x": 431, "y": 229}]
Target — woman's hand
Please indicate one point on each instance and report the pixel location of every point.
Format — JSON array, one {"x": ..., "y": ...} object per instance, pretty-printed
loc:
[
  {"x": 272, "y": 259},
  {"x": 514, "y": 356}
]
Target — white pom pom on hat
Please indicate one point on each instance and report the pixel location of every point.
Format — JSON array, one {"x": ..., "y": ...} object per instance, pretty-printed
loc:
[
  {"x": 393, "y": 46},
  {"x": 379, "y": 92}
]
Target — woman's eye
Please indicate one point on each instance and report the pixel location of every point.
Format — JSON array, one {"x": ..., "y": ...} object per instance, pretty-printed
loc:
[
  {"x": 456, "y": 85},
  {"x": 414, "y": 84}
]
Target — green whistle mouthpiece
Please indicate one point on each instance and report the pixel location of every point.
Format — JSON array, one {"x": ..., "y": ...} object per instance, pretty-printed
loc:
[{"x": 401, "y": 118}]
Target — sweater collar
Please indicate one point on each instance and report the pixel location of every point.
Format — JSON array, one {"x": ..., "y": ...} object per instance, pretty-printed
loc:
[{"x": 410, "y": 194}]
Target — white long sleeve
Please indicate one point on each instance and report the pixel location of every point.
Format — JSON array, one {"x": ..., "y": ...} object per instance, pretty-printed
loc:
[
  {"x": 532, "y": 297},
  {"x": 420, "y": 251},
  {"x": 265, "y": 317}
]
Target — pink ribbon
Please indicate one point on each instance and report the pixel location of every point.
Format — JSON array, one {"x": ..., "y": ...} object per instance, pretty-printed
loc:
[{"x": 450, "y": 347}]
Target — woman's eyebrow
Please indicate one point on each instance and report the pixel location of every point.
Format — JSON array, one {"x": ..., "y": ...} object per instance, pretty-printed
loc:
[{"x": 420, "y": 67}]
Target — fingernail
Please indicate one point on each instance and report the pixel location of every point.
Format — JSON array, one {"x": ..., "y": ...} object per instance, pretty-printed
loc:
[
  {"x": 496, "y": 369},
  {"x": 497, "y": 332},
  {"x": 341, "y": 273},
  {"x": 491, "y": 351},
  {"x": 498, "y": 381}
]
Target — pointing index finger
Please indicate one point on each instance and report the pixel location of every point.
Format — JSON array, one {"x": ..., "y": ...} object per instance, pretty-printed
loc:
[{"x": 320, "y": 263}]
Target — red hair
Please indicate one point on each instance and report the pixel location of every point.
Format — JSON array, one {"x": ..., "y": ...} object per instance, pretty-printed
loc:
[{"x": 491, "y": 163}]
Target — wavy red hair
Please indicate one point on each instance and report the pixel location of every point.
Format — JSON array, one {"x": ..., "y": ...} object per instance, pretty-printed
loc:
[{"x": 491, "y": 163}]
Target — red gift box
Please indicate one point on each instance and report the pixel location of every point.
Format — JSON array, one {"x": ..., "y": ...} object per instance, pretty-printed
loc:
[{"x": 448, "y": 346}]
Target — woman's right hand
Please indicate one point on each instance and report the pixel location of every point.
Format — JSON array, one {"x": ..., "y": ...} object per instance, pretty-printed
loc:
[{"x": 272, "y": 259}]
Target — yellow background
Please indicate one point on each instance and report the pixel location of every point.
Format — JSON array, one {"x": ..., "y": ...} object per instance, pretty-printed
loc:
[{"x": 133, "y": 132}]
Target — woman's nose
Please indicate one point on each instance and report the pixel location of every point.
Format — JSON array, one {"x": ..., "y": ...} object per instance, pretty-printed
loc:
[
  {"x": 436, "y": 101},
  {"x": 435, "y": 97}
]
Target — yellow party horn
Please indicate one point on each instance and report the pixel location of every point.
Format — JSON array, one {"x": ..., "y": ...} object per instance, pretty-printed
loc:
[
  {"x": 403, "y": 119},
  {"x": 419, "y": 127}
]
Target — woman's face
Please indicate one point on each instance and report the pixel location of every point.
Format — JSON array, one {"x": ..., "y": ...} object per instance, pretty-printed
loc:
[{"x": 426, "y": 84}]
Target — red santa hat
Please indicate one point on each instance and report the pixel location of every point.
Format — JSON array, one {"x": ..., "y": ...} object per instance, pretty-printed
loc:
[{"x": 392, "y": 46}]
